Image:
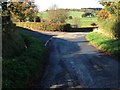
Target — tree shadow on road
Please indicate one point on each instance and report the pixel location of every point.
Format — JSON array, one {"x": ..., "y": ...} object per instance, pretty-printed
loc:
[{"x": 37, "y": 34}]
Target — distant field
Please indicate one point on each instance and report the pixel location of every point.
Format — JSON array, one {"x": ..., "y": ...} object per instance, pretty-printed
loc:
[
  {"x": 88, "y": 21},
  {"x": 82, "y": 22},
  {"x": 43, "y": 15},
  {"x": 77, "y": 18},
  {"x": 75, "y": 14}
]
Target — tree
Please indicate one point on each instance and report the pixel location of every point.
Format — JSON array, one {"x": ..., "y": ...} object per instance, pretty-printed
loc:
[
  {"x": 6, "y": 19},
  {"x": 110, "y": 16},
  {"x": 57, "y": 15},
  {"x": 103, "y": 14},
  {"x": 22, "y": 10},
  {"x": 12, "y": 42},
  {"x": 112, "y": 7}
]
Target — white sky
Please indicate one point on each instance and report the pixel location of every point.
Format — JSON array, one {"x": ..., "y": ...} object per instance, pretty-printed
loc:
[{"x": 45, "y": 4}]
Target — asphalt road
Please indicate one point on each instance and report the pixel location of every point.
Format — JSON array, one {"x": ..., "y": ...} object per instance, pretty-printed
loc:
[{"x": 74, "y": 63}]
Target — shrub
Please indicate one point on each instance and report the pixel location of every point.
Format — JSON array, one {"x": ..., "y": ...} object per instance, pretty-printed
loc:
[
  {"x": 66, "y": 27},
  {"x": 42, "y": 25},
  {"x": 110, "y": 27},
  {"x": 38, "y": 19},
  {"x": 93, "y": 24},
  {"x": 70, "y": 17},
  {"x": 103, "y": 14},
  {"x": 57, "y": 16},
  {"x": 109, "y": 19},
  {"x": 116, "y": 28}
]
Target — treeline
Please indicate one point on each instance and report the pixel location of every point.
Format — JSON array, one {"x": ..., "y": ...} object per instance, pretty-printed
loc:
[
  {"x": 21, "y": 11},
  {"x": 81, "y": 10}
]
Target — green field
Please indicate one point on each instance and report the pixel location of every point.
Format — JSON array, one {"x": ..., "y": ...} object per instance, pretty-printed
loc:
[
  {"x": 76, "y": 18},
  {"x": 75, "y": 14},
  {"x": 43, "y": 15},
  {"x": 82, "y": 22}
]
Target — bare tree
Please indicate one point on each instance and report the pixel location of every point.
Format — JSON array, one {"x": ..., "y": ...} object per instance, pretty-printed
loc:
[{"x": 57, "y": 15}]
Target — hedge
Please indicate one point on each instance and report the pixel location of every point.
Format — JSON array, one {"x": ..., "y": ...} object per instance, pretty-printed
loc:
[{"x": 46, "y": 26}]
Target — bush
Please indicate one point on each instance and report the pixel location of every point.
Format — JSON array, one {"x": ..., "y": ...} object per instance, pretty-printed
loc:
[
  {"x": 70, "y": 17},
  {"x": 93, "y": 24},
  {"x": 38, "y": 19},
  {"x": 103, "y": 14},
  {"x": 111, "y": 27},
  {"x": 42, "y": 26},
  {"x": 116, "y": 28},
  {"x": 66, "y": 27},
  {"x": 57, "y": 16}
]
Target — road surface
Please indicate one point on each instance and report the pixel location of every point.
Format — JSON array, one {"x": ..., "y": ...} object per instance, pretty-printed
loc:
[{"x": 74, "y": 63}]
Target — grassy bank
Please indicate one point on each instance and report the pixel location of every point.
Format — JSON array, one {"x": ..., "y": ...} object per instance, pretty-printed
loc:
[
  {"x": 18, "y": 72},
  {"x": 104, "y": 43}
]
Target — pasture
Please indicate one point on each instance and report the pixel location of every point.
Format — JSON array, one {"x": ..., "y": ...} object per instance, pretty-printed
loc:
[{"x": 82, "y": 22}]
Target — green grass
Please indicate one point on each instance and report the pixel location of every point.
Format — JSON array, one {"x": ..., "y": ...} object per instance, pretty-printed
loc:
[
  {"x": 86, "y": 22},
  {"x": 43, "y": 15},
  {"x": 83, "y": 22},
  {"x": 75, "y": 14},
  {"x": 104, "y": 43},
  {"x": 17, "y": 72}
]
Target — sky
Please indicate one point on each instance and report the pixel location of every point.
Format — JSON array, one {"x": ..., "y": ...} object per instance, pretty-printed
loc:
[{"x": 46, "y": 4}]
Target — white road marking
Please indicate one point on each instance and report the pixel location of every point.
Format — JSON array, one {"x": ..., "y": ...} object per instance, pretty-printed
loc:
[
  {"x": 48, "y": 41},
  {"x": 68, "y": 35},
  {"x": 51, "y": 39}
]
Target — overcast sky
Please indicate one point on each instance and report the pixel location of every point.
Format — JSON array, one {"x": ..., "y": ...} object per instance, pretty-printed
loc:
[{"x": 45, "y": 4}]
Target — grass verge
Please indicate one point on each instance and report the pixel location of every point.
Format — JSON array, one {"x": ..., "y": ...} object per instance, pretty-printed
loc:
[
  {"x": 17, "y": 72},
  {"x": 104, "y": 43}
]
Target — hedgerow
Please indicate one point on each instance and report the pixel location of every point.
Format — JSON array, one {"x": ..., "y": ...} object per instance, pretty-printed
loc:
[{"x": 46, "y": 26}]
